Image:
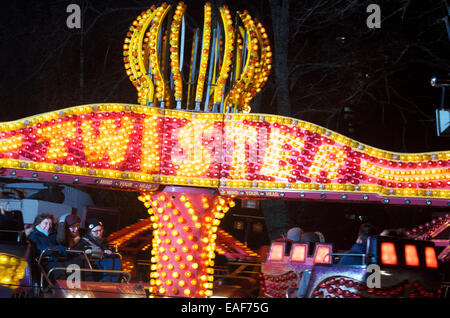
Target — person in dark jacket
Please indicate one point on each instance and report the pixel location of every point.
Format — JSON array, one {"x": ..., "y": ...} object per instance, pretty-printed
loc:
[
  {"x": 68, "y": 233},
  {"x": 365, "y": 230},
  {"x": 394, "y": 233},
  {"x": 43, "y": 237},
  {"x": 102, "y": 255}
]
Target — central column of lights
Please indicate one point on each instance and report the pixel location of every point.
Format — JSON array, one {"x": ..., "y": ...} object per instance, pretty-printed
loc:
[
  {"x": 184, "y": 233},
  {"x": 204, "y": 55},
  {"x": 135, "y": 65}
]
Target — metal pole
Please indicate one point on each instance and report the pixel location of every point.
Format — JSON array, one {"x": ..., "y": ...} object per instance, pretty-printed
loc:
[{"x": 210, "y": 73}]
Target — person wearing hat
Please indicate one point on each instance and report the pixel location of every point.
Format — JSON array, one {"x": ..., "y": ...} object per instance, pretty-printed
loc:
[
  {"x": 312, "y": 238},
  {"x": 94, "y": 244},
  {"x": 294, "y": 234},
  {"x": 68, "y": 233}
]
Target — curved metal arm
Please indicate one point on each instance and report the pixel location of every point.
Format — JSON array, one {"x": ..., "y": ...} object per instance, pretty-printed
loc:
[
  {"x": 290, "y": 291},
  {"x": 81, "y": 253},
  {"x": 357, "y": 255},
  {"x": 102, "y": 254}
]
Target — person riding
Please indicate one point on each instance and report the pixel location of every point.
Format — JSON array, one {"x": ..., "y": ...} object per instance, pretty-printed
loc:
[
  {"x": 68, "y": 233},
  {"x": 312, "y": 238},
  {"x": 102, "y": 255},
  {"x": 42, "y": 235},
  {"x": 365, "y": 230}
]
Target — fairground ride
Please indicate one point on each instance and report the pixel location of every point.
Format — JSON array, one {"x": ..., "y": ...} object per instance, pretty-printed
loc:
[{"x": 190, "y": 146}]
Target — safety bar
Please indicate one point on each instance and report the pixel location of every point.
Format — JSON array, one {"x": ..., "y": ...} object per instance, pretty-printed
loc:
[
  {"x": 94, "y": 271},
  {"x": 103, "y": 254},
  {"x": 240, "y": 277},
  {"x": 19, "y": 233},
  {"x": 47, "y": 278},
  {"x": 69, "y": 251},
  {"x": 357, "y": 255}
]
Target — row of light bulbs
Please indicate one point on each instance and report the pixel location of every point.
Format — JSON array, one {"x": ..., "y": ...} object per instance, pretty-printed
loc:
[{"x": 141, "y": 53}]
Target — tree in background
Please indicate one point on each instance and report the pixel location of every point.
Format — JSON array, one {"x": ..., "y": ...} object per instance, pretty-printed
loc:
[{"x": 329, "y": 67}]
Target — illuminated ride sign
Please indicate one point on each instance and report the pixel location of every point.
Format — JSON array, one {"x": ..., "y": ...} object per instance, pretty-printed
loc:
[
  {"x": 216, "y": 143},
  {"x": 245, "y": 155}
]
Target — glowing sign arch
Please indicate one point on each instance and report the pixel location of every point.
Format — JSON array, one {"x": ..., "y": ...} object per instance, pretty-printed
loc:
[{"x": 240, "y": 154}]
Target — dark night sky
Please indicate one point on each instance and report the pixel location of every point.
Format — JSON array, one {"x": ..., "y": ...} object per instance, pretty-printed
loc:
[{"x": 381, "y": 75}]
